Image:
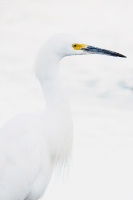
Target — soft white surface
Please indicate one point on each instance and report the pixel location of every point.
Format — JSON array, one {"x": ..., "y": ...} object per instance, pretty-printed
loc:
[{"x": 101, "y": 88}]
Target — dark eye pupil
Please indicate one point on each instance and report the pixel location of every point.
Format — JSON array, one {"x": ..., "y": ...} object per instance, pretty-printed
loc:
[{"x": 75, "y": 45}]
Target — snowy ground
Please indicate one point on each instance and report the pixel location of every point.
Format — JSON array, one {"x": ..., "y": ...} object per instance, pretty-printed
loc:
[{"x": 101, "y": 88}]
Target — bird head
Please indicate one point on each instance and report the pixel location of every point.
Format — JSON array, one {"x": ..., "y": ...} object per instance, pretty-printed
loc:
[
  {"x": 66, "y": 45},
  {"x": 62, "y": 45}
]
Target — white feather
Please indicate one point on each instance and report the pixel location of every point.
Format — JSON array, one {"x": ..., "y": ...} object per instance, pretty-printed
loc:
[{"x": 31, "y": 145}]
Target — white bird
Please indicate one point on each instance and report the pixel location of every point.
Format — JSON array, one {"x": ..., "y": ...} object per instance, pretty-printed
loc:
[{"x": 31, "y": 145}]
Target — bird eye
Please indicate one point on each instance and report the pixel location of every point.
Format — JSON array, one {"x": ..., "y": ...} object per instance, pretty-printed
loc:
[{"x": 74, "y": 45}]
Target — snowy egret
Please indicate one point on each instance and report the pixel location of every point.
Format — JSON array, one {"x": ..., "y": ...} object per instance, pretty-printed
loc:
[{"x": 31, "y": 145}]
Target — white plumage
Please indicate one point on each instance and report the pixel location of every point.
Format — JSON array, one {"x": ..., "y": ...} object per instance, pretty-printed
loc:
[{"x": 31, "y": 145}]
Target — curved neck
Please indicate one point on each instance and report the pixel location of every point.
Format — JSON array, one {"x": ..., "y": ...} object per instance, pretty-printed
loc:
[
  {"x": 57, "y": 112},
  {"x": 47, "y": 72},
  {"x": 55, "y": 93}
]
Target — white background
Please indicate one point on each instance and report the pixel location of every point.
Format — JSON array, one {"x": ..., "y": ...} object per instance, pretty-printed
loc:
[{"x": 100, "y": 87}]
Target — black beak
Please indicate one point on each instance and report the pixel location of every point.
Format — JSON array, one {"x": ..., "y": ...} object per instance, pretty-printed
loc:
[{"x": 95, "y": 50}]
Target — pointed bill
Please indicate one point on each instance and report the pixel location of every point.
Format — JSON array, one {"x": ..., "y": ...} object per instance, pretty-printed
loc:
[{"x": 96, "y": 50}]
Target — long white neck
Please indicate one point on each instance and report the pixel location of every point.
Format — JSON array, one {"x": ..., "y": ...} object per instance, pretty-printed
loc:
[
  {"x": 47, "y": 71},
  {"x": 57, "y": 105}
]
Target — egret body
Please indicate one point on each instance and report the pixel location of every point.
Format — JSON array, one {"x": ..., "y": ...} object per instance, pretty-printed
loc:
[{"x": 31, "y": 145}]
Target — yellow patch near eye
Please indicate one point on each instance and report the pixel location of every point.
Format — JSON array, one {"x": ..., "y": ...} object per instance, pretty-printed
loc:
[{"x": 78, "y": 46}]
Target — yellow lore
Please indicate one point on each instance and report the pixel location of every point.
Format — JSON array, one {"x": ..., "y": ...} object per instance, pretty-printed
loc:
[{"x": 78, "y": 46}]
